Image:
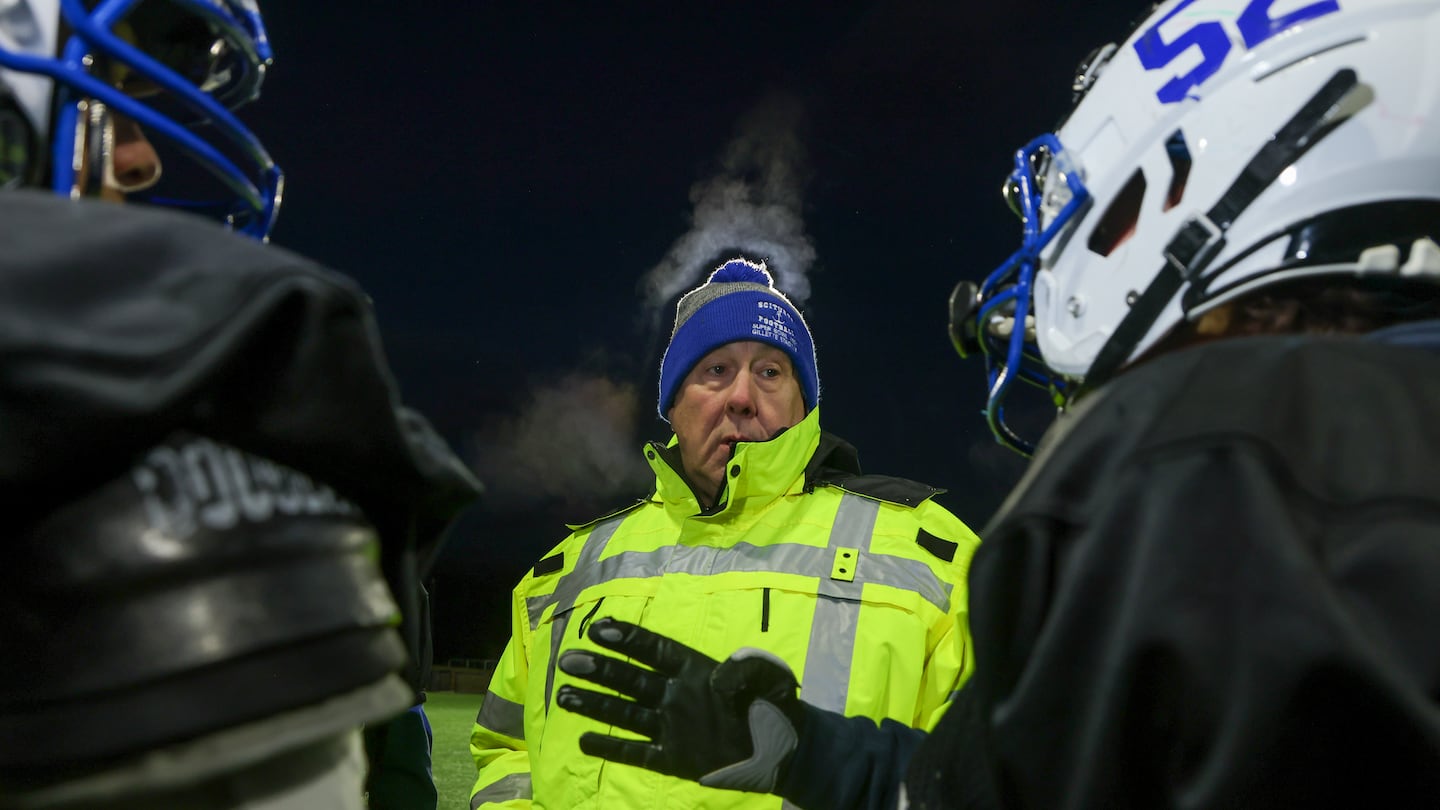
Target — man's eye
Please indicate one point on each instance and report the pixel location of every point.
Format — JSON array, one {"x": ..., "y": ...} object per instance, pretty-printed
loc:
[
  {"x": 717, "y": 370},
  {"x": 771, "y": 372}
]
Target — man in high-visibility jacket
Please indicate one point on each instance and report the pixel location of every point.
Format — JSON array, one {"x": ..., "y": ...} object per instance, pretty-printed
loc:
[
  {"x": 1215, "y": 586},
  {"x": 761, "y": 532}
]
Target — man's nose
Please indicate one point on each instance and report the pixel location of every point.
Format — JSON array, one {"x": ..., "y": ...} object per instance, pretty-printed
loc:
[
  {"x": 134, "y": 164},
  {"x": 740, "y": 398}
]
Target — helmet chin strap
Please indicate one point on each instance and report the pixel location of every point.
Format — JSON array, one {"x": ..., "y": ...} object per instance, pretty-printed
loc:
[{"x": 1201, "y": 238}]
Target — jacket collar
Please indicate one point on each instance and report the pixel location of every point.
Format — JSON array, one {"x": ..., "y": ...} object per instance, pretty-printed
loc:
[{"x": 764, "y": 470}]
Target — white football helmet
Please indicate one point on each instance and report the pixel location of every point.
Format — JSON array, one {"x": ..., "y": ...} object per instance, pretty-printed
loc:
[
  {"x": 175, "y": 68},
  {"x": 1225, "y": 146}
]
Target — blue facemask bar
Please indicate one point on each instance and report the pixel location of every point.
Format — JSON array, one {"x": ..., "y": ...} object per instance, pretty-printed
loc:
[
  {"x": 1007, "y": 291},
  {"x": 257, "y": 193}
]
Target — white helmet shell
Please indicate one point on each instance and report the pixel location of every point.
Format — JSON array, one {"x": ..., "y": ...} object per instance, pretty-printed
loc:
[
  {"x": 1176, "y": 114},
  {"x": 29, "y": 27}
]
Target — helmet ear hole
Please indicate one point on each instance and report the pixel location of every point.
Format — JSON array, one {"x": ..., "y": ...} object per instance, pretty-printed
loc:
[
  {"x": 1117, "y": 224},
  {"x": 1180, "y": 162}
]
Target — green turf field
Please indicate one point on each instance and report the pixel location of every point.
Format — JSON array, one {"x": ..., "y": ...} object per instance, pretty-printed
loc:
[{"x": 452, "y": 714}]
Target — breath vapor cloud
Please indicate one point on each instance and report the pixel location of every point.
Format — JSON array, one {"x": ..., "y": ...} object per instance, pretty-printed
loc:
[
  {"x": 576, "y": 440},
  {"x": 753, "y": 206},
  {"x": 573, "y": 443}
]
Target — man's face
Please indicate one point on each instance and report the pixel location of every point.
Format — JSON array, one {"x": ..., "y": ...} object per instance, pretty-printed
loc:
[{"x": 742, "y": 391}]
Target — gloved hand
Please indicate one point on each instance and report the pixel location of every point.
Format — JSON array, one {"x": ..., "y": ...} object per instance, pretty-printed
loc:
[{"x": 730, "y": 724}]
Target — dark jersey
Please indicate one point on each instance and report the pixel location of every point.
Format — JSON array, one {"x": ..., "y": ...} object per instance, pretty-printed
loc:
[
  {"x": 197, "y": 435},
  {"x": 1218, "y": 585}
]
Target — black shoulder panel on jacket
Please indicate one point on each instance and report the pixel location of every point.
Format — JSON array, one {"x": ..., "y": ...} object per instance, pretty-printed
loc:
[
  {"x": 939, "y": 546},
  {"x": 550, "y": 564}
]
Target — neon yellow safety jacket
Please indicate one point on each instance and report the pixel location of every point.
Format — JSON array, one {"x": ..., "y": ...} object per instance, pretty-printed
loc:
[{"x": 856, "y": 581}]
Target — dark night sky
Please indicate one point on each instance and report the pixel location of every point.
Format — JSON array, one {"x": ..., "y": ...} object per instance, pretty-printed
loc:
[{"x": 504, "y": 178}]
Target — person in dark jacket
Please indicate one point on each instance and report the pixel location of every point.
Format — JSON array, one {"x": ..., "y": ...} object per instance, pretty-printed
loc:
[
  {"x": 218, "y": 509},
  {"x": 1215, "y": 585}
]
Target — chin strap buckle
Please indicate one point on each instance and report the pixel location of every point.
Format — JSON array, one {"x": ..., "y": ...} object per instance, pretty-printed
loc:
[{"x": 1194, "y": 246}]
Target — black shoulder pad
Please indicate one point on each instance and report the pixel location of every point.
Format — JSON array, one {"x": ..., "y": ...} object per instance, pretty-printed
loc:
[
  {"x": 940, "y": 547},
  {"x": 550, "y": 564}
]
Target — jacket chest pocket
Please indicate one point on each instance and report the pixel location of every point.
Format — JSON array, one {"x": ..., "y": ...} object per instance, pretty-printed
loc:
[
  {"x": 848, "y": 650},
  {"x": 564, "y": 629}
]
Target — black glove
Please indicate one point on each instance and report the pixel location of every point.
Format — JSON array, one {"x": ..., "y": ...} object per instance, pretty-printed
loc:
[{"x": 730, "y": 724}]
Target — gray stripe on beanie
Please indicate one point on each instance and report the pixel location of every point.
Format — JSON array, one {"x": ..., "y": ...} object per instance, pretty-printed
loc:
[{"x": 705, "y": 293}]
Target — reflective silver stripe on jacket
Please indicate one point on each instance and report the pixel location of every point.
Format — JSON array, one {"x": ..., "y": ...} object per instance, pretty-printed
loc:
[
  {"x": 788, "y": 558},
  {"x": 514, "y": 786},
  {"x": 837, "y": 615},
  {"x": 502, "y": 716},
  {"x": 589, "y": 552},
  {"x": 837, "y": 610}
]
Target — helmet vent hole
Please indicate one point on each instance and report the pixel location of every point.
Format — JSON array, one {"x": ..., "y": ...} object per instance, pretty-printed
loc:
[
  {"x": 1179, "y": 155},
  {"x": 1118, "y": 222}
]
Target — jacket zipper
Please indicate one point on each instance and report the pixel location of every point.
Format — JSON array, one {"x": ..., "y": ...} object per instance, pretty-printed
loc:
[{"x": 765, "y": 611}]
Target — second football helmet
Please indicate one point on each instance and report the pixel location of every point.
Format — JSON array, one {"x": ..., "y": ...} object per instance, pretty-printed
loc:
[
  {"x": 1225, "y": 146},
  {"x": 175, "y": 68}
]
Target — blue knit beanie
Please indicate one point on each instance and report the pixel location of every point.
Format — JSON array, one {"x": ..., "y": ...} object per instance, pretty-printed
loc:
[{"x": 738, "y": 302}]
